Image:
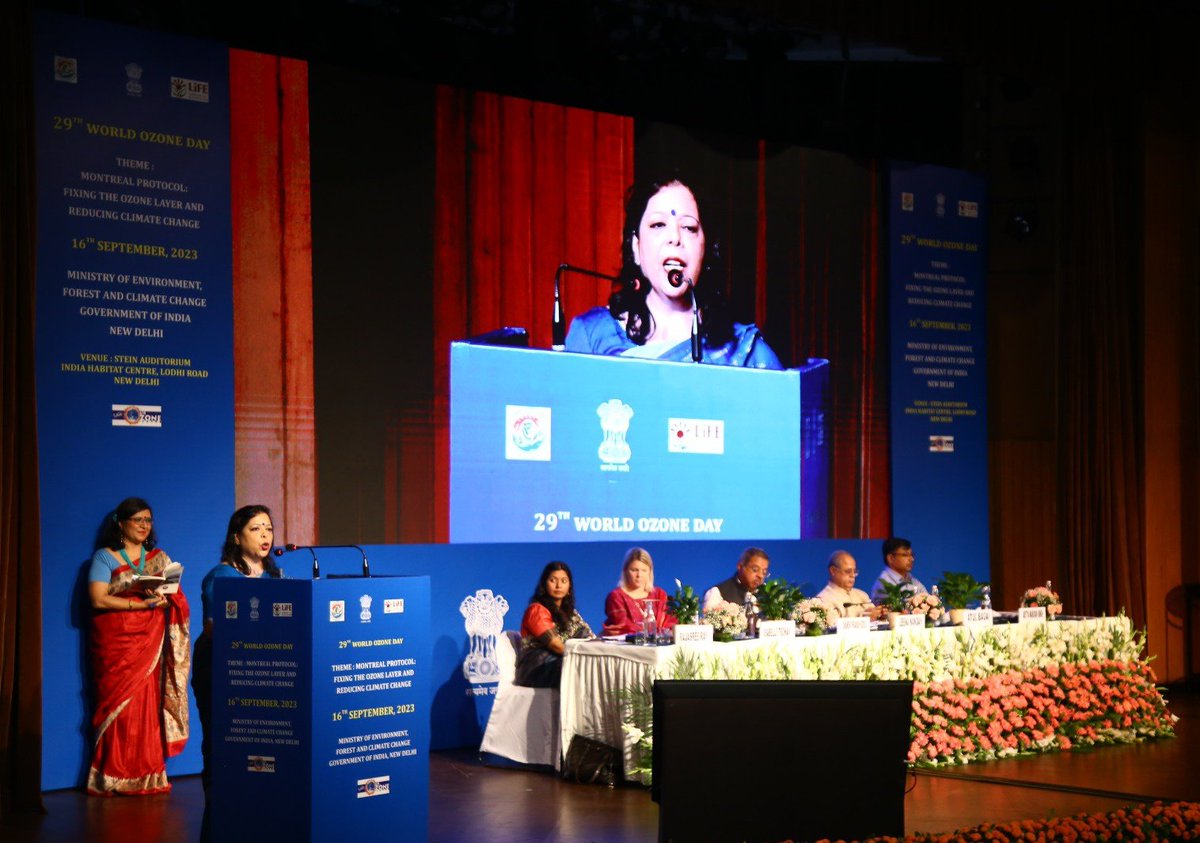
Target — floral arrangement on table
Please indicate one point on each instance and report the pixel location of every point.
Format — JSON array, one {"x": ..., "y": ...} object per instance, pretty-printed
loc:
[
  {"x": 1043, "y": 596},
  {"x": 959, "y": 590},
  {"x": 1157, "y": 821},
  {"x": 1058, "y": 707},
  {"x": 895, "y": 596},
  {"x": 684, "y": 604},
  {"x": 728, "y": 620},
  {"x": 929, "y": 605},
  {"x": 817, "y": 615},
  {"x": 777, "y": 598}
]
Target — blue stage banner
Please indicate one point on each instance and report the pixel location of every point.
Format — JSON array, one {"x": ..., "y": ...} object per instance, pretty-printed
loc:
[
  {"x": 134, "y": 320},
  {"x": 937, "y": 230},
  {"x": 551, "y": 446}
]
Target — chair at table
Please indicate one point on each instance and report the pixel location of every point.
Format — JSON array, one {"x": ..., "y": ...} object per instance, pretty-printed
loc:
[{"x": 523, "y": 726}]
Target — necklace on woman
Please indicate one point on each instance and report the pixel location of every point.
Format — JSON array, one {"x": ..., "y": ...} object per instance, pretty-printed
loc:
[{"x": 140, "y": 567}]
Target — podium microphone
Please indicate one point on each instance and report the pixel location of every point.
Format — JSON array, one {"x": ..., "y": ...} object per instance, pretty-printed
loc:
[
  {"x": 676, "y": 278},
  {"x": 558, "y": 327},
  {"x": 288, "y": 548}
]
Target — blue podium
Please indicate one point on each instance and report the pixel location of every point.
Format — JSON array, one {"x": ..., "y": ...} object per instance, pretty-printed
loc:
[
  {"x": 321, "y": 709},
  {"x": 554, "y": 446}
]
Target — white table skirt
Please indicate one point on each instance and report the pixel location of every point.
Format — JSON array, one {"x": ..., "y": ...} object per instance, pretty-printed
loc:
[{"x": 594, "y": 670}]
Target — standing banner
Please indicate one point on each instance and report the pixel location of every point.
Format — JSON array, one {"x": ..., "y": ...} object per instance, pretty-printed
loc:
[
  {"x": 134, "y": 322},
  {"x": 321, "y": 709},
  {"x": 937, "y": 226}
]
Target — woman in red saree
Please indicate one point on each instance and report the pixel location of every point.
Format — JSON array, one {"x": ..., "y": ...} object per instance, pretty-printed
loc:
[{"x": 140, "y": 657}]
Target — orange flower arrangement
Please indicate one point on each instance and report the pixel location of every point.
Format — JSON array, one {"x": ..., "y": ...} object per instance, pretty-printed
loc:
[
  {"x": 1039, "y": 710},
  {"x": 1159, "y": 821}
]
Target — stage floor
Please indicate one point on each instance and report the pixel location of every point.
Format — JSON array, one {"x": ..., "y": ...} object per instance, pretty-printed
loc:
[{"x": 472, "y": 802}]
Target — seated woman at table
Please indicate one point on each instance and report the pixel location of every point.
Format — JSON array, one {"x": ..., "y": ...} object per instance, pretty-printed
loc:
[
  {"x": 549, "y": 622},
  {"x": 625, "y": 607}
]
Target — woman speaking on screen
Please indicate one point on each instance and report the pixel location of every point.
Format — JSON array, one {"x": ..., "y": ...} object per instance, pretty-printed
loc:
[
  {"x": 139, "y": 654},
  {"x": 666, "y": 306}
]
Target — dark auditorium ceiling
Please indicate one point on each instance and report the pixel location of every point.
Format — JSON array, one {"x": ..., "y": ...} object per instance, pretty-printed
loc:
[{"x": 886, "y": 77}]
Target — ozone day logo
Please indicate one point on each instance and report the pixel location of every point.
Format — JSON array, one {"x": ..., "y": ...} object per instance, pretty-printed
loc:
[
  {"x": 136, "y": 415},
  {"x": 483, "y": 614},
  {"x": 527, "y": 433}
]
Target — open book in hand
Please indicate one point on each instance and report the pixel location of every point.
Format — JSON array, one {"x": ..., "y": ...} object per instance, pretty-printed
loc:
[{"x": 166, "y": 582}]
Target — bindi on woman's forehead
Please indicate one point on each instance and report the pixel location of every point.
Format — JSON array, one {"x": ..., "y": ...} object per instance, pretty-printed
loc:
[{"x": 672, "y": 212}]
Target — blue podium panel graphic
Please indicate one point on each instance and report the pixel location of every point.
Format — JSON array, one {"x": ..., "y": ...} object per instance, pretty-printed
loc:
[
  {"x": 552, "y": 446},
  {"x": 321, "y": 709}
]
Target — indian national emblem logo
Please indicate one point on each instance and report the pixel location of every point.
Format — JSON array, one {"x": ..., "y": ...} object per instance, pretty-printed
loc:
[
  {"x": 484, "y": 619},
  {"x": 365, "y": 603},
  {"x": 254, "y": 601},
  {"x": 614, "y": 421},
  {"x": 133, "y": 87}
]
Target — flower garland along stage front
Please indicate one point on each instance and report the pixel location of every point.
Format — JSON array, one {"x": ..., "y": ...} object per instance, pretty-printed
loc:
[
  {"x": 1158, "y": 821},
  {"x": 978, "y": 694}
]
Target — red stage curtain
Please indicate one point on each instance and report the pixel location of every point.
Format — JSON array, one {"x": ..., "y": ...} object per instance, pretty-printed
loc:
[
  {"x": 272, "y": 291},
  {"x": 521, "y": 187}
]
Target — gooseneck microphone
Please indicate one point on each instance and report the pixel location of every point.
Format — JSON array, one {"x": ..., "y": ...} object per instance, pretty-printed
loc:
[
  {"x": 676, "y": 278},
  {"x": 288, "y": 548},
  {"x": 558, "y": 327}
]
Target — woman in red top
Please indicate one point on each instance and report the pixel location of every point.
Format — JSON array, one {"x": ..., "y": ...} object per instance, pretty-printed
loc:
[
  {"x": 625, "y": 608},
  {"x": 549, "y": 621}
]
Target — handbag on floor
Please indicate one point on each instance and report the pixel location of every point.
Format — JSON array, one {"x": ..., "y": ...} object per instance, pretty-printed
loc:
[{"x": 591, "y": 762}]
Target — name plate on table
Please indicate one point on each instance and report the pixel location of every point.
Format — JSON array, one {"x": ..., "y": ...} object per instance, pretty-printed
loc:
[
  {"x": 978, "y": 617},
  {"x": 693, "y": 632},
  {"x": 856, "y": 627},
  {"x": 1031, "y": 614},
  {"x": 776, "y": 629},
  {"x": 899, "y": 621}
]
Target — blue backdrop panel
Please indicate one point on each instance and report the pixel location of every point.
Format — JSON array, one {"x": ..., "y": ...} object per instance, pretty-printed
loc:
[
  {"x": 937, "y": 226},
  {"x": 547, "y": 446},
  {"x": 321, "y": 709},
  {"x": 134, "y": 327}
]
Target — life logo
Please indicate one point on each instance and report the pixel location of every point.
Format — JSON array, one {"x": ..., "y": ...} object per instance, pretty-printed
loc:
[
  {"x": 377, "y": 786},
  {"x": 527, "y": 433},
  {"x": 136, "y": 415},
  {"x": 189, "y": 89},
  {"x": 337, "y": 611},
  {"x": 696, "y": 436}
]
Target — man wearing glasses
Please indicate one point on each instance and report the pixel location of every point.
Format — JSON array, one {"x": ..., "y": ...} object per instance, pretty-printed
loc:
[
  {"x": 751, "y": 572},
  {"x": 851, "y": 602},
  {"x": 898, "y": 564}
]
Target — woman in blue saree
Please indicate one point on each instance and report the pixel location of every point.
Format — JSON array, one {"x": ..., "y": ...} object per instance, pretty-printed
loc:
[{"x": 660, "y": 302}]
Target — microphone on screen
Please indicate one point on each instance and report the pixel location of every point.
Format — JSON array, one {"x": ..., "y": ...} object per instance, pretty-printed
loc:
[{"x": 558, "y": 324}]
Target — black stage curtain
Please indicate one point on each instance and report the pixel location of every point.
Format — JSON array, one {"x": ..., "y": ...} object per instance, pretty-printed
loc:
[{"x": 20, "y": 544}]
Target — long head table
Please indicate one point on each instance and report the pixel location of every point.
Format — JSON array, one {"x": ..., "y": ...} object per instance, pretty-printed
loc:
[{"x": 597, "y": 673}]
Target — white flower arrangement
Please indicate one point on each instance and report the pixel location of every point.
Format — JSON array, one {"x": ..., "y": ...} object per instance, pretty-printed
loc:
[
  {"x": 727, "y": 619},
  {"x": 1042, "y": 596},
  {"x": 929, "y": 605},
  {"x": 815, "y": 611}
]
